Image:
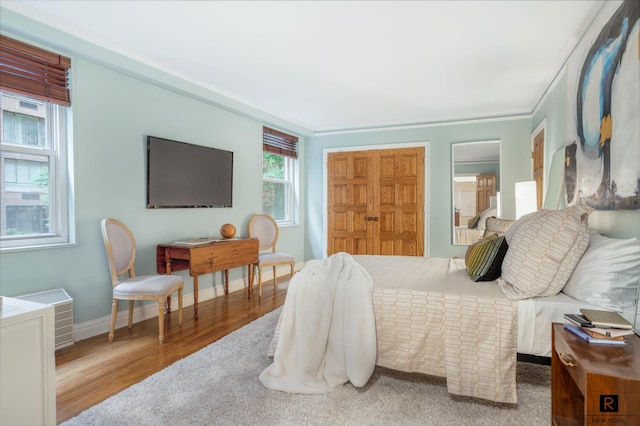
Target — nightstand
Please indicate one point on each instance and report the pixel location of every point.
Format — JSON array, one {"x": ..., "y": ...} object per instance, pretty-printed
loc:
[{"x": 594, "y": 384}]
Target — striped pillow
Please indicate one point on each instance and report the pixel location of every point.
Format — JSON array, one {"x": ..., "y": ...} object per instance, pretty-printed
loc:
[{"x": 484, "y": 258}]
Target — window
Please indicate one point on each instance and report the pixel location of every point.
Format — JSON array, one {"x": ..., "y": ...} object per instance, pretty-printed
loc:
[
  {"x": 279, "y": 174},
  {"x": 35, "y": 178}
]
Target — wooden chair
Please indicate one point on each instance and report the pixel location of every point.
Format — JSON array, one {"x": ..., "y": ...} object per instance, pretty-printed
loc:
[
  {"x": 264, "y": 228},
  {"x": 121, "y": 255}
]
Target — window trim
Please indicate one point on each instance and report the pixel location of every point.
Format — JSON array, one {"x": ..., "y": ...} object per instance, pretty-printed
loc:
[
  {"x": 284, "y": 145},
  {"x": 61, "y": 208},
  {"x": 292, "y": 194}
]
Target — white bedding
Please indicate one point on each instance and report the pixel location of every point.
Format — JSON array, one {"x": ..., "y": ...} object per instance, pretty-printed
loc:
[
  {"x": 427, "y": 312},
  {"x": 464, "y": 235},
  {"x": 457, "y": 329},
  {"x": 327, "y": 333},
  {"x": 535, "y": 316}
]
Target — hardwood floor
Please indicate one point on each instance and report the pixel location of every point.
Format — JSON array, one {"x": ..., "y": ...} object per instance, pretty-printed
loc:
[{"x": 93, "y": 369}]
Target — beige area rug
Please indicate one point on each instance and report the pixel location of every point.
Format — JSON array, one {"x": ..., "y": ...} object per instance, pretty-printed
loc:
[{"x": 218, "y": 385}]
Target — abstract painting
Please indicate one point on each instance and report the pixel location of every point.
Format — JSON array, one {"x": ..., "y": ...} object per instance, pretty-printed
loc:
[{"x": 602, "y": 156}]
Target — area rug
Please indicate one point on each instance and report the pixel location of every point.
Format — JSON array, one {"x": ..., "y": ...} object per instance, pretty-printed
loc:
[{"x": 218, "y": 385}]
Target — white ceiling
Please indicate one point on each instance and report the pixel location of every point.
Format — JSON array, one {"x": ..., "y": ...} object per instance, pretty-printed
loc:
[{"x": 338, "y": 65}]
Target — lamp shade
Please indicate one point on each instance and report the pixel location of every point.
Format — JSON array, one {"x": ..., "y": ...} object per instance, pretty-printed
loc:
[{"x": 526, "y": 198}]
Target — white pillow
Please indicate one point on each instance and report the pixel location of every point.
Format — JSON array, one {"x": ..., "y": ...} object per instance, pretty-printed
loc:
[
  {"x": 608, "y": 273},
  {"x": 482, "y": 222},
  {"x": 544, "y": 251},
  {"x": 497, "y": 226}
]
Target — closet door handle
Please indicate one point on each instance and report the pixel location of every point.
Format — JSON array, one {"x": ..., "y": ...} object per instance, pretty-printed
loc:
[
  {"x": 369, "y": 218},
  {"x": 375, "y": 218}
]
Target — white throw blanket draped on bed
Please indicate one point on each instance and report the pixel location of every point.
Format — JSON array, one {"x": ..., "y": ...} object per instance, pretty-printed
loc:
[{"x": 327, "y": 329}]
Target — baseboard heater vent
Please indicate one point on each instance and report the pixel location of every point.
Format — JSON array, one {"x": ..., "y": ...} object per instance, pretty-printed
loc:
[{"x": 63, "y": 306}]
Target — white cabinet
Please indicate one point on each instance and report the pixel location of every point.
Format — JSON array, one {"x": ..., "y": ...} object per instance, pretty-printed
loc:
[{"x": 27, "y": 363}]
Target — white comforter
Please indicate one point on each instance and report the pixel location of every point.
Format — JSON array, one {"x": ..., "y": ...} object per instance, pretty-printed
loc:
[{"x": 327, "y": 329}]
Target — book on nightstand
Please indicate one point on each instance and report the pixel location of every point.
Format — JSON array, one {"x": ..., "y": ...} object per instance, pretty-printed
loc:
[
  {"x": 606, "y": 319},
  {"x": 584, "y": 335},
  {"x": 578, "y": 320}
]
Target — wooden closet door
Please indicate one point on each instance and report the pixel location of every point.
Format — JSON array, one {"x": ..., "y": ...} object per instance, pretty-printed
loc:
[
  {"x": 399, "y": 202},
  {"x": 538, "y": 165},
  {"x": 376, "y": 202},
  {"x": 350, "y": 198}
]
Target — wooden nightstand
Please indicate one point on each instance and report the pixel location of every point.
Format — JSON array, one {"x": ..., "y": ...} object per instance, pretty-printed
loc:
[{"x": 594, "y": 384}]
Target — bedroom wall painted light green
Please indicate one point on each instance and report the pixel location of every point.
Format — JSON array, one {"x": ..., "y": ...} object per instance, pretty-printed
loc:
[
  {"x": 113, "y": 112},
  {"x": 513, "y": 133}
]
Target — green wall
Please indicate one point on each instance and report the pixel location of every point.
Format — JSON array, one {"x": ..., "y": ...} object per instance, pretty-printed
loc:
[
  {"x": 514, "y": 135},
  {"x": 113, "y": 112}
]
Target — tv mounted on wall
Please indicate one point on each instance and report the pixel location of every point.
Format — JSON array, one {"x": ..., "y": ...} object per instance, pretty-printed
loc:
[{"x": 183, "y": 175}]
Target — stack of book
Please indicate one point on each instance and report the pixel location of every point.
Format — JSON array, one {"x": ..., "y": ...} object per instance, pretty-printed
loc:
[{"x": 599, "y": 327}]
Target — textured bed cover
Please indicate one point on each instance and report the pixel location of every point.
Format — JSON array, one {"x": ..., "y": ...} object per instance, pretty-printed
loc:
[
  {"x": 432, "y": 319},
  {"x": 534, "y": 315}
]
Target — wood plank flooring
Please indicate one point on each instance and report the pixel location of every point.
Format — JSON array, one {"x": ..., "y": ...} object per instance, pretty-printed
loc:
[{"x": 93, "y": 369}]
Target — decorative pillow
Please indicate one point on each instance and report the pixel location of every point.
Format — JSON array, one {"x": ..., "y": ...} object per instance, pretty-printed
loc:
[
  {"x": 482, "y": 222},
  {"x": 497, "y": 226},
  {"x": 473, "y": 222},
  {"x": 513, "y": 229},
  {"x": 544, "y": 252},
  {"x": 484, "y": 258},
  {"x": 608, "y": 273}
]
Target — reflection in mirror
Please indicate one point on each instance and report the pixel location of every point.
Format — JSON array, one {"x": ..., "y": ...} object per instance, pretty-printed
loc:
[
  {"x": 476, "y": 186},
  {"x": 636, "y": 322}
]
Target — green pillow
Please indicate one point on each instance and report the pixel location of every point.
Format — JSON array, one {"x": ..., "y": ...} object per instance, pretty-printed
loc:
[
  {"x": 484, "y": 258},
  {"x": 473, "y": 222}
]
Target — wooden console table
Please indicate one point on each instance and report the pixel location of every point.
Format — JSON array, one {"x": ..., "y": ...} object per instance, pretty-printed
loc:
[
  {"x": 594, "y": 384},
  {"x": 206, "y": 258}
]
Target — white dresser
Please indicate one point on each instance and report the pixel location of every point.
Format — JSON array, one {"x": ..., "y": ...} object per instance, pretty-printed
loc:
[{"x": 27, "y": 363}]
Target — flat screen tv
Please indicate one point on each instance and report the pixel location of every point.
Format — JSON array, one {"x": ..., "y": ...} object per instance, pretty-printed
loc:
[{"x": 182, "y": 175}]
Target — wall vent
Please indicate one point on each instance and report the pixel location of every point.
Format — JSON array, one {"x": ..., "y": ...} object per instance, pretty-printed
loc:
[{"x": 63, "y": 306}]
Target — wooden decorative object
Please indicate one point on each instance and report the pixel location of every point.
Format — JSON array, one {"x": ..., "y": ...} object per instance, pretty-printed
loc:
[{"x": 228, "y": 230}]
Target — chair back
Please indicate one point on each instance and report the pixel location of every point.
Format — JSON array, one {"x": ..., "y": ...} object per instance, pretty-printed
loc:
[
  {"x": 265, "y": 229},
  {"x": 120, "y": 247}
]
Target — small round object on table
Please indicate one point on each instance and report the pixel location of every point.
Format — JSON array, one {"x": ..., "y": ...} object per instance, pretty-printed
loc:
[{"x": 228, "y": 230}]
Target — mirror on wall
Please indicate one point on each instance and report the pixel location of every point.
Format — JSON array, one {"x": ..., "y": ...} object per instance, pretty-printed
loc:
[{"x": 476, "y": 188}]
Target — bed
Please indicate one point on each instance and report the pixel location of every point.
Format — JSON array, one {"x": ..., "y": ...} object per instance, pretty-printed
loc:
[
  {"x": 466, "y": 236},
  {"x": 431, "y": 317},
  {"x": 474, "y": 229}
]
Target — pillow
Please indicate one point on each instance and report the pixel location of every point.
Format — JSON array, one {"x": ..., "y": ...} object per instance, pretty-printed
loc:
[
  {"x": 497, "y": 226},
  {"x": 518, "y": 223},
  {"x": 482, "y": 222},
  {"x": 544, "y": 252},
  {"x": 607, "y": 275},
  {"x": 473, "y": 222},
  {"x": 484, "y": 258}
]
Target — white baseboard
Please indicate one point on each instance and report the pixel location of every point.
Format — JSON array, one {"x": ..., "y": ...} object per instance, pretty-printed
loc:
[{"x": 142, "y": 312}]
